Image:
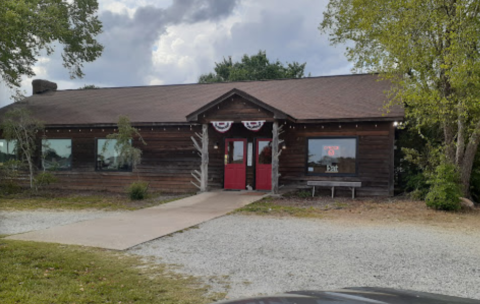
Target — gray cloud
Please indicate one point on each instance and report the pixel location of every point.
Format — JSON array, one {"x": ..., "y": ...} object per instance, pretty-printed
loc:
[
  {"x": 192, "y": 11},
  {"x": 288, "y": 34},
  {"x": 287, "y": 30},
  {"x": 129, "y": 41}
]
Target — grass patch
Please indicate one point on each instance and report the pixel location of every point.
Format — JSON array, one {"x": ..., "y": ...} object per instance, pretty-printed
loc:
[
  {"x": 268, "y": 206},
  {"x": 80, "y": 200},
  {"x": 50, "y": 273}
]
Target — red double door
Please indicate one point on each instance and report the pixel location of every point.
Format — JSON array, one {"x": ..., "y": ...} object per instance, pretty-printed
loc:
[{"x": 236, "y": 164}]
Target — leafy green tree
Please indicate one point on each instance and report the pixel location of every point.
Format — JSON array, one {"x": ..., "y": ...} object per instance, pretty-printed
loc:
[
  {"x": 127, "y": 153},
  {"x": 429, "y": 49},
  {"x": 255, "y": 67},
  {"x": 19, "y": 125},
  {"x": 32, "y": 26},
  {"x": 89, "y": 87}
]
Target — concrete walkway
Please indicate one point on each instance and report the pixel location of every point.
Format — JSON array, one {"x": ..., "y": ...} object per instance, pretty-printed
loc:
[{"x": 123, "y": 231}]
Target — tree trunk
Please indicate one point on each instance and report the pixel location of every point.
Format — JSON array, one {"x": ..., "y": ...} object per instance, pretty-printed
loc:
[
  {"x": 460, "y": 139},
  {"x": 449, "y": 142},
  {"x": 468, "y": 159},
  {"x": 30, "y": 168}
]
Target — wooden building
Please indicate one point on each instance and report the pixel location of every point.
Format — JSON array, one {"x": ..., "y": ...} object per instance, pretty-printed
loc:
[{"x": 332, "y": 128}]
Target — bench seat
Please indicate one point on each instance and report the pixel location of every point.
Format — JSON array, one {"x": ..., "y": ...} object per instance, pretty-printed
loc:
[{"x": 333, "y": 184}]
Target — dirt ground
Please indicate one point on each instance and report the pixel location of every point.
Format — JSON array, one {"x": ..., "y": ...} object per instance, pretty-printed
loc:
[{"x": 383, "y": 210}]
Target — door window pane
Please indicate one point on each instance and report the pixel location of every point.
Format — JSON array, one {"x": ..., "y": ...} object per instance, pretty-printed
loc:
[
  {"x": 332, "y": 156},
  {"x": 108, "y": 156},
  {"x": 8, "y": 150},
  {"x": 57, "y": 154},
  {"x": 264, "y": 152},
  {"x": 235, "y": 152}
]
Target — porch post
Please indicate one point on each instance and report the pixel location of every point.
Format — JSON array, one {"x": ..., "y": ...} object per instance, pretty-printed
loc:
[
  {"x": 202, "y": 175},
  {"x": 276, "y": 152}
]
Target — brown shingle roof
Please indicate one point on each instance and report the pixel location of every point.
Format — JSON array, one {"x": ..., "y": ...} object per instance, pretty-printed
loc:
[{"x": 317, "y": 98}]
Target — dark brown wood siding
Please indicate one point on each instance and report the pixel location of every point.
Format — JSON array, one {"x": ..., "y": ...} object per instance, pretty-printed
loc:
[
  {"x": 236, "y": 109},
  {"x": 169, "y": 156},
  {"x": 167, "y": 161},
  {"x": 374, "y": 158}
]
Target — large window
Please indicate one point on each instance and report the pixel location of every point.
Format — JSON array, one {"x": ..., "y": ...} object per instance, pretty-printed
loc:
[
  {"x": 57, "y": 154},
  {"x": 332, "y": 156},
  {"x": 8, "y": 150},
  {"x": 108, "y": 157}
]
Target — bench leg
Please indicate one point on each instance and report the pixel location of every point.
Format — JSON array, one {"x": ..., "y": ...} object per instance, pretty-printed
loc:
[
  {"x": 313, "y": 191},
  {"x": 353, "y": 192},
  {"x": 333, "y": 192}
]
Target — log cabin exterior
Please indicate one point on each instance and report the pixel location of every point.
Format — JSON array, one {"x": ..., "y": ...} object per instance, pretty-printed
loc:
[{"x": 331, "y": 128}]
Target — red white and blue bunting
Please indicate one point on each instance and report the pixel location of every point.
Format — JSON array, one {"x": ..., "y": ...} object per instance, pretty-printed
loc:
[
  {"x": 222, "y": 126},
  {"x": 254, "y": 125}
]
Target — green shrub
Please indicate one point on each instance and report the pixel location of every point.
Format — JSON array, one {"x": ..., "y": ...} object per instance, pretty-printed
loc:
[
  {"x": 9, "y": 187},
  {"x": 417, "y": 186},
  {"x": 303, "y": 194},
  {"x": 9, "y": 172},
  {"x": 445, "y": 190},
  {"x": 137, "y": 190},
  {"x": 44, "y": 179}
]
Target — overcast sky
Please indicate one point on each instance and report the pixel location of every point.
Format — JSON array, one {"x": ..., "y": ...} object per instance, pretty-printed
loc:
[{"x": 152, "y": 42}]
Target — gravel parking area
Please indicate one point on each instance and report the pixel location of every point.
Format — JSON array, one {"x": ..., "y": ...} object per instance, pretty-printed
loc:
[
  {"x": 251, "y": 255},
  {"x": 13, "y": 222}
]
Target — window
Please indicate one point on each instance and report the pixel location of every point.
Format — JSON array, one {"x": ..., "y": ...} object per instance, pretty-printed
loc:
[
  {"x": 57, "y": 154},
  {"x": 8, "y": 150},
  {"x": 264, "y": 152},
  {"x": 332, "y": 156},
  {"x": 108, "y": 157},
  {"x": 235, "y": 152}
]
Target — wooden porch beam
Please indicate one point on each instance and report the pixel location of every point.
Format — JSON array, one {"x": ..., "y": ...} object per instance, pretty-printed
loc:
[{"x": 276, "y": 152}]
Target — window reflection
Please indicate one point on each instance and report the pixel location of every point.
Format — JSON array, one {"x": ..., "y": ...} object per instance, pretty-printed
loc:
[
  {"x": 8, "y": 150},
  {"x": 56, "y": 154},
  {"x": 265, "y": 152},
  {"x": 108, "y": 156},
  {"x": 332, "y": 156},
  {"x": 235, "y": 151}
]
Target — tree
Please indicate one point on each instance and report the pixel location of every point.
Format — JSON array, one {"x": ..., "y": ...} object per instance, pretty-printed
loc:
[
  {"x": 29, "y": 27},
  {"x": 127, "y": 153},
  {"x": 89, "y": 87},
  {"x": 429, "y": 49},
  {"x": 255, "y": 67},
  {"x": 19, "y": 125}
]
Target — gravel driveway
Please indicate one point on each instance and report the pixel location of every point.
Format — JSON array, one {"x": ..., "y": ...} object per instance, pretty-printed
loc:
[
  {"x": 12, "y": 222},
  {"x": 259, "y": 255}
]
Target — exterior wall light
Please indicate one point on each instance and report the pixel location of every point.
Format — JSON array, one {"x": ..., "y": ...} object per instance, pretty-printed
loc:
[
  {"x": 284, "y": 147},
  {"x": 215, "y": 146},
  {"x": 395, "y": 123}
]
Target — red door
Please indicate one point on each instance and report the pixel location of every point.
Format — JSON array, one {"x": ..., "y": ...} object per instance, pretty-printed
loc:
[
  {"x": 235, "y": 163},
  {"x": 264, "y": 164}
]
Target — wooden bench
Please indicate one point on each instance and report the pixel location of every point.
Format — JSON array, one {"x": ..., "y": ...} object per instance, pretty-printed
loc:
[{"x": 351, "y": 185}]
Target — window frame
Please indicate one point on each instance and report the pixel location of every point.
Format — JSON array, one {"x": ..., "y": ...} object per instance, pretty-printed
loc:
[
  {"x": 357, "y": 139},
  {"x": 71, "y": 154},
  {"x": 97, "y": 169}
]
